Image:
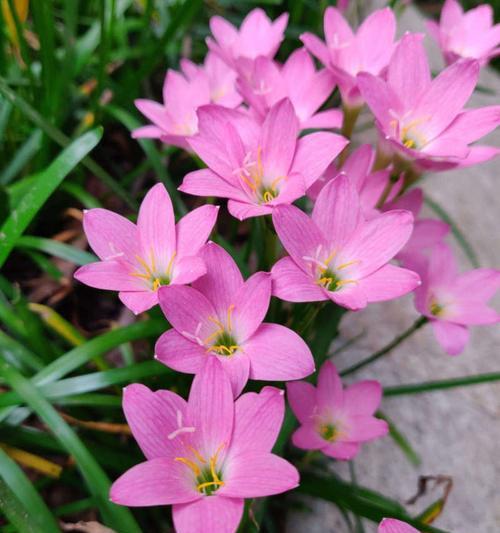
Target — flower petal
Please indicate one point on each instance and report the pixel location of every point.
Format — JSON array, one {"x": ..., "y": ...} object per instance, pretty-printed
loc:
[
  {"x": 473, "y": 124},
  {"x": 307, "y": 438},
  {"x": 237, "y": 368},
  {"x": 389, "y": 282},
  {"x": 363, "y": 397},
  {"x": 138, "y": 302},
  {"x": 212, "y": 514},
  {"x": 152, "y": 416},
  {"x": 110, "y": 275},
  {"x": 255, "y": 474},
  {"x": 181, "y": 354},
  {"x": 362, "y": 428},
  {"x": 391, "y": 525},
  {"x": 375, "y": 39},
  {"x": 205, "y": 182},
  {"x": 451, "y": 337},
  {"x": 343, "y": 451},
  {"x": 187, "y": 270},
  {"x": 244, "y": 210},
  {"x": 161, "y": 481},
  {"x": 316, "y": 47},
  {"x": 277, "y": 353},
  {"x": 194, "y": 228},
  {"x": 329, "y": 392},
  {"x": 302, "y": 399}
]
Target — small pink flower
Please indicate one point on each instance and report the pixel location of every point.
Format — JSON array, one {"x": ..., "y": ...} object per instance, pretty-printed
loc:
[
  {"x": 391, "y": 525},
  {"x": 221, "y": 317},
  {"x": 338, "y": 254},
  {"x": 138, "y": 259},
  {"x": 257, "y": 166},
  {"x": 423, "y": 120},
  {"x": 466, "y": 35},
  {"x": 258, "y": 36},
  {"x": 297, "y": 79},
  {"x": 347, "y": 54},
  {"x": 221, "y": 79},
  {"x": 334, "y": 420},
  {"x": 453, "y": 301},
  {"x": 206, "y": 455}
]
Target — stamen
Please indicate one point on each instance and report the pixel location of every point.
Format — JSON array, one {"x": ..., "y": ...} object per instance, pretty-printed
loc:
[
  {"x": 156, "y": 284},
  {"x": 202, "y": 486},
  {"x": 197, "y": 454},
  {"x": 191, "y": 464},
  {"x": 229, "y": 311},
  {"x": 153, "y": 263},
  {"x": 144, "y": 265},
  {"x": 345, "y": 282},
  {"x": 170, "y": 263},
  {"x": 349, "y": 263},
  {"x": 268, "y": 197}
]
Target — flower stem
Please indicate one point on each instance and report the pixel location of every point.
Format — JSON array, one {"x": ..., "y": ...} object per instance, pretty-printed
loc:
[
  {"x": 351, "y": 115},
  {"x": 393, "y": 178},
  {"x": 386, "y": 349}
]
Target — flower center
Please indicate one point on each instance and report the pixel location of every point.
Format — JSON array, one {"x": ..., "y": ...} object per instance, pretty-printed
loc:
[
  {"x": 222, "y": 339},
  {"x": 149, "y": 272},
  {"x": 328, "y": 432},
  {"x": 327, "y": 276},
  {"x": 208, "y": 477},
  {"x": 436, "y": 309}
]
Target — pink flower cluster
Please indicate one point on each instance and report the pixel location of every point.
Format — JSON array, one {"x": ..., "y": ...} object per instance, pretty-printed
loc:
[{"x": 357, "y": 238}]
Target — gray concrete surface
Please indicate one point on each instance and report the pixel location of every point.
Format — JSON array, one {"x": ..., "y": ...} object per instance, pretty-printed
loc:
[{"x": 456, "y": 432}]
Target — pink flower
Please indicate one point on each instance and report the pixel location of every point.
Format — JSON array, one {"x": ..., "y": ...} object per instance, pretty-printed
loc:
[
  {"x": 423, "y": 120},
  {"x": 221, "y": 316},
  {"x": 257, "y": 36},
  {"x": 347, "y": 54},
  {"x": 466, "y": 35},
  {"x": 220, "y": 78},
  {"x": 337, "y": 254},
  {"x": 297, "y": 79},
  {"x": 257, "y": 166},
  {"x": 175, "y": 120},
  {"x": 453, "y": 301},
  {"x": 334, "y": 420},
  {"x": 391, "y": 525},
  {"x": 138, "y": 259},
  {"x": 206, "y": 455}
]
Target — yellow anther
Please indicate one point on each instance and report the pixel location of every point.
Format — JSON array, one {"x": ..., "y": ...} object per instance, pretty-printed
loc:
[
  {"x": 153, "y": 263},
  {"x": 197, "y": 454},
  {"x": 191, "y": 464},
  {"x": 268, "y": 197},
  {"x": 222, "y": 349},
  {"x": 144, "y": 265},
  {"x": 276, "y": 181},
  {"x": 252, "y": 185},
  {"x": 409, "y": 143},
  {"x": 345, "y": 282},
  {"x": 202, "y": 486},
  {"x": 330, "y": 257},
  {"x": 325, "y": 281},
  {"x": 211, "y": 337},
  {"x": 170, "y": 263},
  {"x": 349, "y": 263},
  {"x": 229, "y": 311},
  {"x": 142, "y": 276},
  {"x": 156, "y": 284}
]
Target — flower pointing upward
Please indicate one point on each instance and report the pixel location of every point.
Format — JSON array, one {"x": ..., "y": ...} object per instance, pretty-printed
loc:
[
  {"x": 206, "y": 455},
  {"x": 139, "y": 259}
]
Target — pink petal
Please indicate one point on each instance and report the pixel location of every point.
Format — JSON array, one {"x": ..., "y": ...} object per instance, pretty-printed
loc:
[
  {"x": 244, "y": 210},
  {"x": 181, "y": 354},
  {"x": 426, "y": 233},
  {"x": 331, "y": 118},
  {"x": 343, "y": 451},
  {"x": 211, "y": 514},
  {"x": 479, "y": 284},
  {"x": 298, "y": 233},
  {"x": 279, "y": 137},
  {"x": 110, "y": 235},
  {"x": 375, "y": 39},
  {"x": 363, "y": 398},
  {"x": 257, "y": 420},
  {"x": 292, "y": 284},
  {"x": 237, "y": 368},
  {"x": 378, "y": 240},
  {"x": 446, "y": 147},
  {"x": 473, "y": 124},
  {"x": 155, "y": 112},
  {"x": 358, "y": 165},
  {"x": 411, "y": 201},
  {"x": 194, "y": 228},
  {"x": 161, "y": 481},
  {"x": 223, "y": 278},
  {"x": 391, "y": 525},
  {"x": 204, "y": 182},
  {"x": 251, "y": 303},
  {"x": 152, "y": 416},
  {"x": 254, "y": 474},
  {"x": 479, "y": 154},
  {"x": 409, "y": 73},
  {"x": 210, "y": 407},
  {"x": 470, "y": 312},
  {"x": 362, "y": 428},
  {"x": 138, "y": 302},
  {"x": 302, "y": 399},
  {"x": 316, "y": 47},
  {"x": 187, "y": 270},
  {"x": 156, "y": 225},
  {"x": 224, "y": 32},
  {"x": 451, "y": 337},
  {"x": 307, "y": 438},
  {"x": 277, "y": 353},
  {"x": 329, "y": 392},
  {"x": 446, "y": 96},
  {"x": 443, "y": 267},
  {"x": 389, "y": 282},
  {"x": 337, "y": 211},
  {"x": 350, "y": 296},
  {"x": 147, "y": 132},
  {"x": 451, "y": 14},
  {"x": 110, "y": 275},
  {"x": 187, "y": 310},
  {"x": 315, "y": 152},
  {"x": 336, "y": 25}
]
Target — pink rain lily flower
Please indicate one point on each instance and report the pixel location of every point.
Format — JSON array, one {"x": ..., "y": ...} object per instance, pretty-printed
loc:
[
  {"x": 174, "y": 121},
  {"x": 220, "y": 78},
  {"x": 257, "y": 166},
  {"x": 258, "y": 36},
  {"x": 391, "y": 525},
  {"x": 453, "y": 301},
  {"x": 221, "y": 316},
  {"x": 339, "y": 255},
  {"x": 423, "y": 120},
  {"x": 206, "y": 455},
  {"x": 466, "y": 35},
  {"x": 138, "y": 259},
  {"x": 347, "y": 54},
  {"x": 334, "y": 420},
  {"x": 296, "y": 79}
]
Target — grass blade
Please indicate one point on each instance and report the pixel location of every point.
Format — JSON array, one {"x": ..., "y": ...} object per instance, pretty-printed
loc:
[
  {"x": 45, "y": 184},
  {"x": 56, "y": 248}
]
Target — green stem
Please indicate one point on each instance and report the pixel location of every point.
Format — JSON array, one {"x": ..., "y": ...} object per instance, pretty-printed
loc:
[
  {"x": 393, "y": 178},
  {"x": 417, "y": 388},
  {"x": 351, "y": 115},
  {"x": 386, "y": 349}
]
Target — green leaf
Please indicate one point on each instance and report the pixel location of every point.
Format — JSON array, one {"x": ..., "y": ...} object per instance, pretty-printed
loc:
[
  {"x": 97, "y": 482},
  {"x": 57, "y": 249},
  {"x": 401, "y": 441},
  {"x": 45, "y": 184},
  {"x": 22, "y": 156},
  {"x": 21, "y": 502}
]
